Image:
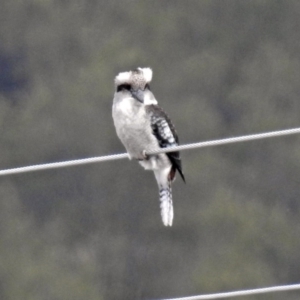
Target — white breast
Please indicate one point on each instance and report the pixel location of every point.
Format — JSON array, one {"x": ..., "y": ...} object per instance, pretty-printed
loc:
[
  {"x": 125, "y": 107},
  {"x": 133, "y": 126}
]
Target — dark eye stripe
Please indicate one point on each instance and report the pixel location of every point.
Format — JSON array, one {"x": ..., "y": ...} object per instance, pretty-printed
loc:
[{"x": 123, "y": 87}]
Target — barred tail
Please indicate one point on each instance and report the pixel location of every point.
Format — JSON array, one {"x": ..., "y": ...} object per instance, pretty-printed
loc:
[
  {"x": 165, "y": 194},
  {"x": 166, "y": 204}
]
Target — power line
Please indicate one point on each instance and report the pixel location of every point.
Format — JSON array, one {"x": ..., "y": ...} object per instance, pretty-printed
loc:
[
  {"x": 97, "y": 159},
  {"x": 282, "y": 288},
  {"x": 231, "y": 140},
  {"x": 63, "y": 164}
]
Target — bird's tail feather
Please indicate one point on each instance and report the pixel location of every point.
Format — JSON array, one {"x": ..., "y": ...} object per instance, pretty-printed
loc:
[{"x": 166, "y": 204}]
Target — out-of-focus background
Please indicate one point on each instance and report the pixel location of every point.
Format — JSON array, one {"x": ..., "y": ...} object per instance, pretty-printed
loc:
[{"x": 221, "y": 69}]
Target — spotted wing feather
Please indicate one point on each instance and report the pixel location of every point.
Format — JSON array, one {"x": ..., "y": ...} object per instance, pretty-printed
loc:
[{"x": 164, "y": 131}]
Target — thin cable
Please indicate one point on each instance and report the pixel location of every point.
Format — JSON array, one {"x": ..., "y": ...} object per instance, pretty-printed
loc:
[
  {"x": 238, "y": 139},
  {"x": 163, "y": 150},
  {"x": 282, "y": 288},
  {"x": 63, "y": 164}
]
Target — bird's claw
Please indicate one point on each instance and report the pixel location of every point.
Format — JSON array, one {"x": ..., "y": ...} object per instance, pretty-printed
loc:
[
  {"x": 144, "y": 153},
  {"x": 144, "y": 156}
]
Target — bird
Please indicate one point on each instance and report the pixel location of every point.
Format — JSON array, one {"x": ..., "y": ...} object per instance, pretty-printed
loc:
[{"x": 142, "y": 126}]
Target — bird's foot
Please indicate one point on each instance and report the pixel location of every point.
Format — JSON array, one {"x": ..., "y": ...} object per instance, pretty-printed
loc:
[{"x": 144, "y": 156}]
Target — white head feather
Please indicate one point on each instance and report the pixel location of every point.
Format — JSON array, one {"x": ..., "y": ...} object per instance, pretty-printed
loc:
[
  {"x": 123, "y": 77},
  {"x": 147, "y": 73},
  {"x": 126, "y": 77}
]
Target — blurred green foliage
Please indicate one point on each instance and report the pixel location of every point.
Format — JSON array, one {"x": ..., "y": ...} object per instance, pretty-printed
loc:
[{"x": 221, "y": 68}]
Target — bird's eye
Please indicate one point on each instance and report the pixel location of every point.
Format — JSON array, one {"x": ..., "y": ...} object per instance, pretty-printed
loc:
[
  {"x": 147, "y": 87},
  {"x": 123, "y": 87}
]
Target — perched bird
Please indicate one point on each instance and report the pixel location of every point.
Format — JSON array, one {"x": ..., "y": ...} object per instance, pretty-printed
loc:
[{"x": 143, "y": 126}]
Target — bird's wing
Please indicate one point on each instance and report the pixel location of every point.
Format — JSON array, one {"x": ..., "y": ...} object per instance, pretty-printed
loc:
[{"x": 165, "y": 132}]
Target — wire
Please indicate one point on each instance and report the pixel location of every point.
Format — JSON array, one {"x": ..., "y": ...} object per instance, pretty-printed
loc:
[
  {"x": 63, "y": 164},
  {"x": 91, "y": 160},
  {"x": 238, "y": 139},
  {"x": 281, "y": 288}
]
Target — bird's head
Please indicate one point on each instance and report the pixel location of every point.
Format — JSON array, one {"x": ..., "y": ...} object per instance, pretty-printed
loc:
[{"x": 136, "y": 84}]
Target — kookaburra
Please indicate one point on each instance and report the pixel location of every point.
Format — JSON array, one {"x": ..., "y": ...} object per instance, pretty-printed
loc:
[{"x": 143, "y": 126}]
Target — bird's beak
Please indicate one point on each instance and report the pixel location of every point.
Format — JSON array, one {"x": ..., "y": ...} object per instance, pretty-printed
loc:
[{"x": 138, "y": 95}]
